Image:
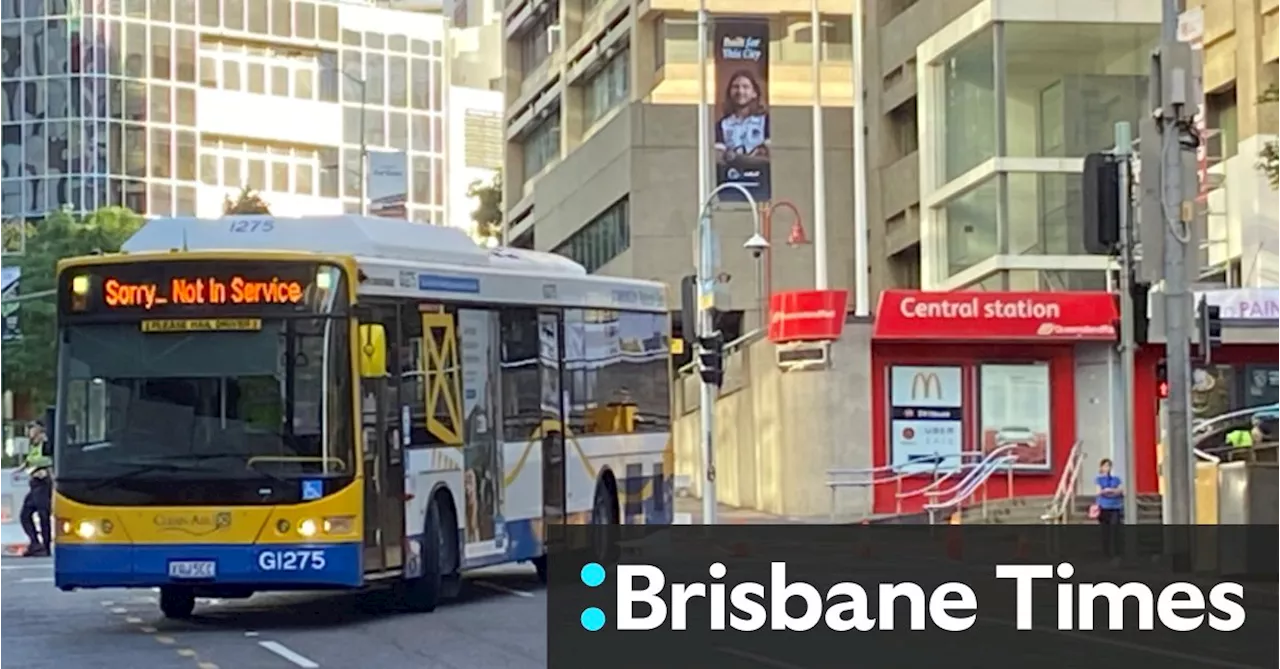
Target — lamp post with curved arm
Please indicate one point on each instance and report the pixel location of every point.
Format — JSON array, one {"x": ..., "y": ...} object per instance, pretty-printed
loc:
[
  {"x": 796, "y": 238},
  {"x": 709, "y": 344}
]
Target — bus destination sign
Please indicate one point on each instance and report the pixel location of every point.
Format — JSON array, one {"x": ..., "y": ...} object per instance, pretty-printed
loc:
[
  {"x": 195, "y": 290},
  {"x": 200, "y": 289}
]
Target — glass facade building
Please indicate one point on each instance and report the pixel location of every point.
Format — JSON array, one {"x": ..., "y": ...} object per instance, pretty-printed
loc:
[
  {"x": 1009, "y": 107},
  {"x": 168, "y": 106}
]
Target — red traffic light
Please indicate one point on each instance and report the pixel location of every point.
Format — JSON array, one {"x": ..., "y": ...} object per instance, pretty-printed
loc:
[{"x": 1162, "y": 390}]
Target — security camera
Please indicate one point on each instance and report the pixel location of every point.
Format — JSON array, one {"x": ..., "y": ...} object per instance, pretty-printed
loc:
[{"x": 756, "y": 245}]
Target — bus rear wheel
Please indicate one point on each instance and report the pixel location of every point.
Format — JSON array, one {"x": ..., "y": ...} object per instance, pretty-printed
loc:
[{"x": 177, "y": 603}]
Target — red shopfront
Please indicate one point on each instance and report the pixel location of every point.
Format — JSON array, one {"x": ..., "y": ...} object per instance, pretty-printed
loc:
[{"x": 966, "y": 372}]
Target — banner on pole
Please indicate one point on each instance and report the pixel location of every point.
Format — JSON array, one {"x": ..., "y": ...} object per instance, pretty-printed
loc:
[{"x": 742, "y": 119}]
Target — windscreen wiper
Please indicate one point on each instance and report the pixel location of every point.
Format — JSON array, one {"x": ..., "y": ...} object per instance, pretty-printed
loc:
[{"x": 139, "y": 471}]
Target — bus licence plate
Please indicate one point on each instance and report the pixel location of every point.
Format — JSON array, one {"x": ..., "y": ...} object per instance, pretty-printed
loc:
[{"x": 192, "y": 569}]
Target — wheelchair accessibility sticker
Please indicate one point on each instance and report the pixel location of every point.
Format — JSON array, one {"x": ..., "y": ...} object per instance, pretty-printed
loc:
[{"x": 312, "y": 489}]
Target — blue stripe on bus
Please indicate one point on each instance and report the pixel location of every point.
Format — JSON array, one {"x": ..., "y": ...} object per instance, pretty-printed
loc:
[{"x": 146, "y": 565}]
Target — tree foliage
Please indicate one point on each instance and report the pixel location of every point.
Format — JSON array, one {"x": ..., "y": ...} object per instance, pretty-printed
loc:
[
  {"x": 1267, "y": 157},
  {"x": 29, "y": 360},
  {"x": 488, "y": 212},
  {"x": 246, "y": 203}
]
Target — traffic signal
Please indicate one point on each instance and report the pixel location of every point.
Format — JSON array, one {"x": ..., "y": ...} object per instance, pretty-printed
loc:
[
  {"x": 1210, "y": 318},
  {"x": 1140, "y": 293},
  {"x": 1101, "y": 196},
  {"x": 711, "y": 359},
  {"x": 1162, "y": 380}
]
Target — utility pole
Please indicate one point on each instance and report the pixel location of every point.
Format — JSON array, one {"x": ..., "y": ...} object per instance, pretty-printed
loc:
[
  {"x": 705, "y": 275},
  {"x": 1123, "y": 151},
  {"x": 1176, "y": 108}
]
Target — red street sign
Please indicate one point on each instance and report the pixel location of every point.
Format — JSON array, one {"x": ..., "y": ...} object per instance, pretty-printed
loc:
[
  {"x": 807, "y": 315},
  {"x": 1058, "y": 315}
]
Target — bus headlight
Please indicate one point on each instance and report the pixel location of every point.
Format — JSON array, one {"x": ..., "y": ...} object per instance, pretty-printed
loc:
[
  {"x": 86, "y": 529},
  {"x": 307, "y": 528}
]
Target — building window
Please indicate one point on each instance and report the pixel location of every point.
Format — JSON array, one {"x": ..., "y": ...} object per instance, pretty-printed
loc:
[
  {"x": 970, "y": 222},
  {"x": 542, "y": 38},
  {"x": 482, "y": 139},
  {"x": 542, "y": 146},
  {"x": 608, "y": 88},
  {"x": 602, "y": 239}
]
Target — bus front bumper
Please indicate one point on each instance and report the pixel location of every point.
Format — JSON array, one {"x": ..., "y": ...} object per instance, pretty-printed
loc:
[{"x": 258, "y": 567}]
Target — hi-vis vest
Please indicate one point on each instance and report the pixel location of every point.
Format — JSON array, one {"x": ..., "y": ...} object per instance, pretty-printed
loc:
[
  {"x": 36, "y": 458},
  {"x": 1240, "y": 438}
]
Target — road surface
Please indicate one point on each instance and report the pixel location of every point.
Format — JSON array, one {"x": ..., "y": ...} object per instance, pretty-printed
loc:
[{"x": 499, "y": 623}]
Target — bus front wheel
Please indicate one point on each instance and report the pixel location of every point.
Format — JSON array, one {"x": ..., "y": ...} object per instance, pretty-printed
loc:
[
  {"x": 423, "y": 594},
  {"x": 177, "y": 603}
]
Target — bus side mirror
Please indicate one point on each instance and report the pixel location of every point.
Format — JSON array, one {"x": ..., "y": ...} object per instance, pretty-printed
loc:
[{"x": 373, "y": 351}]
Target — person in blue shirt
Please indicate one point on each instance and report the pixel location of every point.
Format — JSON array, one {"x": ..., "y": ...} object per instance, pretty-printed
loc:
[{"x": 1110, "y": 503}]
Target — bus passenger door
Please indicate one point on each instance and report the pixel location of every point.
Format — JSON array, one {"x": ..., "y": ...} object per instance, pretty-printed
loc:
[
  {"x": 554, "y": 415},
  {"x": 383, "y": 451}
]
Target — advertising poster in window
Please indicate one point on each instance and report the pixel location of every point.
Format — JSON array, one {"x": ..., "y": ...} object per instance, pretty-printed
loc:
[
  {"x": 742, "y": 120},
  {"x": 388, "y": 186},
  {"x": 1015, "y": 410},
  {"x": 926, "y": 421},
  {"x": 483, "y": 468}
]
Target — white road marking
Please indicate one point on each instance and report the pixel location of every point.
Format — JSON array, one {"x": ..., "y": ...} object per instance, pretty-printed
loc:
[
  {"x": 37, "y": 579},
  {"x": 503, "y": 589},
  {"x": 251, "y": 634},
  {"x": 284, "y": 651},
  {"x": 16, "y": 567}
]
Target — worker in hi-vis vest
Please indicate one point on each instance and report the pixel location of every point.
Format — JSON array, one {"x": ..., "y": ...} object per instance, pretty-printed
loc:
[{"x": 39, "y": 499}]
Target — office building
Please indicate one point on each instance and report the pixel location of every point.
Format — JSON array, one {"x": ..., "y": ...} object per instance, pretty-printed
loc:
[
  {"x": 980, "y": 115},
  {"x": 475, "y": 43},
  {"x": 601, "y": 159},
  {"x": 1240, "y": 41},
  {"x": 168, "y": 106},
  {"x": 474, "y": 122}
]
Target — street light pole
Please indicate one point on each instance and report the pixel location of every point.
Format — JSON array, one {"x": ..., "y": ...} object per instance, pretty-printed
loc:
[{"x": 706, "y": 327}]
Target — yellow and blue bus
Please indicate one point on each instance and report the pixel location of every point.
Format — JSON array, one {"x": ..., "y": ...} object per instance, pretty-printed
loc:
[{"x": 253, "y": 404}]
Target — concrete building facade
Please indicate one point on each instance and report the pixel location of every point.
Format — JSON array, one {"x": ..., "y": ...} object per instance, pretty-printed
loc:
[
  {"x": 1240, "y": 65},
  {"x": 167, "y": 107},
  {"x": 601, "y": 137},
  {"x": 1007, "y": 99}
]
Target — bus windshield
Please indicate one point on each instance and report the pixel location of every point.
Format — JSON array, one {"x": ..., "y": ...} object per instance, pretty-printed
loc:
[{"x": 271, "y": 399}]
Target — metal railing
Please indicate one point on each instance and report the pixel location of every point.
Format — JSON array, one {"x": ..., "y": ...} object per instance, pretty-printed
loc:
[
  {"x": 897, "y": 474},
  {"x": 869, "y": 477},
  {"x": 1065, "y": 494},
  {"x": 974, "y": 481}
]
